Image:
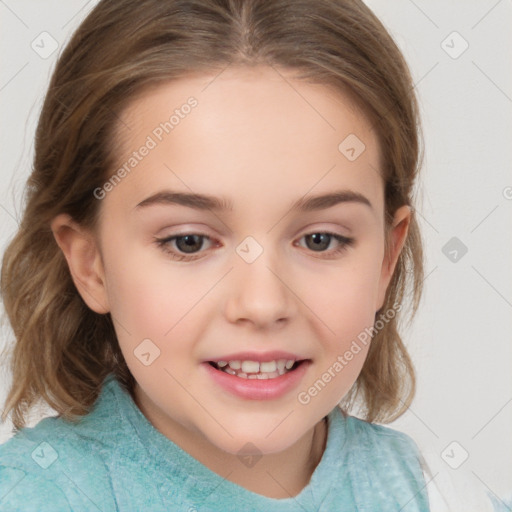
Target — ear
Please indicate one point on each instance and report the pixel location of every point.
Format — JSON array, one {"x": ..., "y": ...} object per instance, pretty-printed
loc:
[
  {"x": 84, "y": 261},
  {"x": 397, "y": 237}
]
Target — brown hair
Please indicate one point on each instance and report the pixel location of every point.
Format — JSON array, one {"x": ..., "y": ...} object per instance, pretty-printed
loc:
[{"x": 64, "y": 350}]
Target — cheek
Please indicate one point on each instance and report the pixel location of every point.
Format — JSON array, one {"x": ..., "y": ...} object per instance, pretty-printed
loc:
[
  {"x": 346, "y": 316},
  {"x": 156, "y": 300},
  {"x": 147, "y": 293},
  {"x": 347, "y": 296},
  {"x": 345, "y": 303}
]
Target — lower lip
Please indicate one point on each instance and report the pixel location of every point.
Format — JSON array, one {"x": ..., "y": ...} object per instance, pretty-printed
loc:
[{"x": 258, "y": 389}]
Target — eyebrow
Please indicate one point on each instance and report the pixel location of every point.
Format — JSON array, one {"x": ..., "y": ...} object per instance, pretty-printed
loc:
[{"x": 218, "y": 204}]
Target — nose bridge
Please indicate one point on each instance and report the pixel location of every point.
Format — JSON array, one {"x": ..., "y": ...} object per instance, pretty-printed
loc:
[{"x": 259, "y": 293}]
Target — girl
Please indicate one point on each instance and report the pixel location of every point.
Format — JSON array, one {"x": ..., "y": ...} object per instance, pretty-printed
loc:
[{"x": 215, "y": 251}]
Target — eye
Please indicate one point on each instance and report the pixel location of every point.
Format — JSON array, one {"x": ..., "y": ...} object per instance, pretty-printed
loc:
[
  {"x": 186, "y": 244},
  {"x": 185, "y": 247},
  {"x": 320, "y": 241}
]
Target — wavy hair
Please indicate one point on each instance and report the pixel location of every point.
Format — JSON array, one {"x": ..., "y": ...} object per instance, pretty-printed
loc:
[{"x": 63, "y": 350}]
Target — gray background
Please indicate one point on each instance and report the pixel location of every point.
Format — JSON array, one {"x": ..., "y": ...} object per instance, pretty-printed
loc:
[{"x": 460, "y": 340}]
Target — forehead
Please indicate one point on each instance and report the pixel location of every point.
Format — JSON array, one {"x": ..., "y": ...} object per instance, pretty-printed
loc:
[{"x": 252, "y": 132}]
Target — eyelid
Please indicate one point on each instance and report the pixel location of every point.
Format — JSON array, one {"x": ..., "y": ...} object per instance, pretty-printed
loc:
[
  {"x": 173, "y": 237},
  {"x": 305, "y": 232},
  {"x": 344, "y": 242}
]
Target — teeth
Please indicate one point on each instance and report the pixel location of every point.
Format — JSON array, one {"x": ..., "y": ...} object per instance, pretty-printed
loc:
[
  {"x": 255, "y": 369},
  {"x": 249, "y": 366},
  {"x": 271, "y": 366}
]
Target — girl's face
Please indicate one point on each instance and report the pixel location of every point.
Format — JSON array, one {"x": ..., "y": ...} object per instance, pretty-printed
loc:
[{"x": 248, "y": 225}]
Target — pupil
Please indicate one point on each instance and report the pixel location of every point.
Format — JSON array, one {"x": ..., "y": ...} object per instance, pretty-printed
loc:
[
  {"x": 317, "y": 238},
  {"x": 191, "y": 243}
]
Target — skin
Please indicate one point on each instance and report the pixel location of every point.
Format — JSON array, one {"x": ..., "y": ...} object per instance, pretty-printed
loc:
[{"x": 263, "y": 142}]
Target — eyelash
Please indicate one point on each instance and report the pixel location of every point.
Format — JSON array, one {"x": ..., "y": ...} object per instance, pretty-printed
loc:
[{"x": 164, "y": 243}]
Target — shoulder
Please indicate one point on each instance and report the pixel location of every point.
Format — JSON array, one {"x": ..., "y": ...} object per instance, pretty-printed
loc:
[
  {"x": 384, "y": 464},
  {"x": 64, "y": 461},
  {"x": 382, "y": 439},
  {"x": 397, "y": 457},
  {"x": 459, "y": 489},
  {"x": 52, "y": 441},
  {"x": 52, "y": 467},
  {"x": 22, "y": 490},
  {"x": 385, "y": 448}
]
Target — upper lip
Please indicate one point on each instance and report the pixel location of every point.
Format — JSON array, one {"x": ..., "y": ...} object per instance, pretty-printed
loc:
[{"x": 261, "y": 357}]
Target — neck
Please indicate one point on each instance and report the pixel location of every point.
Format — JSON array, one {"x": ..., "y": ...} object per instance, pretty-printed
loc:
[{"x": 277, "y": 475}]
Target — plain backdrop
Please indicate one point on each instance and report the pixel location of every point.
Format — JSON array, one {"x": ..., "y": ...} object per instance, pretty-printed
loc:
[{"x": 459, "y": 53}]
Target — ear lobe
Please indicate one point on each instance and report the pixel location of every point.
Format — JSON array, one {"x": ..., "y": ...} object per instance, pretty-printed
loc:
[
  {"x": 397, "y": 238},
  {"x": 84, "y": 261}
]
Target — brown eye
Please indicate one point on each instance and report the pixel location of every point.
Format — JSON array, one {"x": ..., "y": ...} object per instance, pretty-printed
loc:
[
  {"x": 318, "y": 241},
  {"x": 189, "y": 243},
  {"x": 183, "y": 247}
]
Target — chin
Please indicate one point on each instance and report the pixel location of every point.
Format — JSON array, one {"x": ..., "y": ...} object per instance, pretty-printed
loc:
[
  {"x": 257, "y": 438},
  {"x": 245, "y": 446}
]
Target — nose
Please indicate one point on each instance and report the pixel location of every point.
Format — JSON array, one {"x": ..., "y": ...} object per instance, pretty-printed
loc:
[{"x": 260, "y": 294}]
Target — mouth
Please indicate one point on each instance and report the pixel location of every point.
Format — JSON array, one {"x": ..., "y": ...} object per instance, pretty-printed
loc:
[{"x": 267, "y": 370}]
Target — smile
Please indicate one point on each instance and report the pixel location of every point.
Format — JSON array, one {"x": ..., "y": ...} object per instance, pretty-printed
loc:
[
  {"x": 253, "y": 380},
  {"x": 255, "y": 369}
]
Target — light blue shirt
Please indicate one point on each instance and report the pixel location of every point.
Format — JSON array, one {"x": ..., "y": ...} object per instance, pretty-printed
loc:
[{"x": 113, "y": 459}]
